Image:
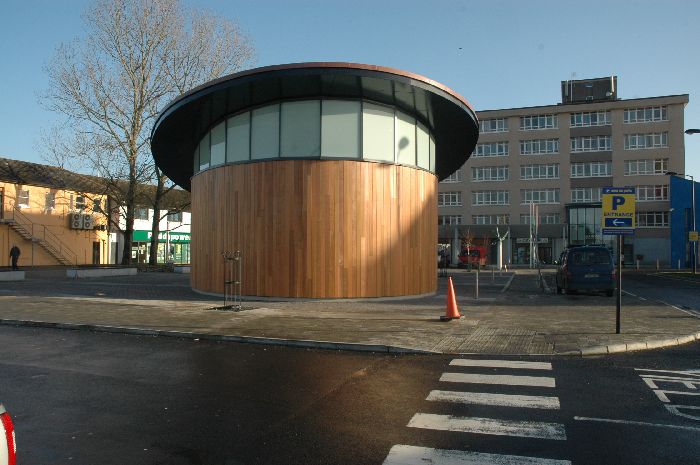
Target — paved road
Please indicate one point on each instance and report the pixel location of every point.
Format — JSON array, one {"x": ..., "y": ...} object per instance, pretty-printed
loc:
[
  {"x": 89, "y": 398},
  {"x": 671, "y": 289}
]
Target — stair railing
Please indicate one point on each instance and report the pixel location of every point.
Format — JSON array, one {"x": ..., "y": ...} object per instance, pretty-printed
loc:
[{"x": 40, "y": 232}]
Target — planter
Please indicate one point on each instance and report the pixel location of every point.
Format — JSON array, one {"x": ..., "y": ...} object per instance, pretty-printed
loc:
[
  {"x": 11, "y": 275},
  {"x": 99, "y": 272}
]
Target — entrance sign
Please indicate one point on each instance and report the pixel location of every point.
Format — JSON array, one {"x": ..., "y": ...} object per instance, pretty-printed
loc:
[{"x": 618, "y": 210}]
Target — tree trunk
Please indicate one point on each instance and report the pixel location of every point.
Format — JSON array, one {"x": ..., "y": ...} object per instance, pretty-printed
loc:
[
  {"x": 128, "y": 236},
  {"x": 155, "y": 232}
]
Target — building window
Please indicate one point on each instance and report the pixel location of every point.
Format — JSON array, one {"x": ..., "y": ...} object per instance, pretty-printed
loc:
[
  {"x": 491, "y": 219},
  {"x": 449, "y": 220},
  {"x": 493, "y": 125},
  {"x": 652, "y": 193},
  {"x": 591, "y": 144},
  {"x": 97, "y": 205},
  {"x": 175, "y": 217},
  {"x": 490, "y": 173},
  {"x": 539, "y": 196},
  {"x": 585, "y": 195},
  {"x": 550, "y": 218},
  {"x": 652, "y": 140},
  {"x": 590, "y": 118},
  {"x": 204, "y": 152},
  {"x": 80, "y": 202},
  {"x": 539, "y": 146},
  {"x": 300, "y": 129},
  {"x": 454, "y": 177},
  {"x": 490, "y": 198},
  {"x": 645, "y": 115},
  {"x": 50, "y": 201},
  {"x": 23, "y": 198},
  {"x": 140, "y": 213},
  {"x": 546, "y": 218},
  {"x": 340, "y": 129},
  {"x": 652, "y": 219},
  {"x": 646, "y": 167},
  {"x": 316, "y": 129},
  {"x": 532, "y": 122},
  {"x": 546, "y": 171},
  {"x": 493, "y": 149},
  {"x": 593, "y": 169},
  {"x": 449, "y": 199}
]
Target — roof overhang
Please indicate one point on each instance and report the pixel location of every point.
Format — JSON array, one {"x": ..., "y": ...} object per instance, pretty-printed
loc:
[{"x": 183, "y": 123}]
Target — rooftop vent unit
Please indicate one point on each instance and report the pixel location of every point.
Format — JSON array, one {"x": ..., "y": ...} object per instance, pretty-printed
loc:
[{"x": 589, "y": 90}]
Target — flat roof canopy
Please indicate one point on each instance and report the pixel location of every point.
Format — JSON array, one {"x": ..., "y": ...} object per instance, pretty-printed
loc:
[{"x": 183, "y": 123}]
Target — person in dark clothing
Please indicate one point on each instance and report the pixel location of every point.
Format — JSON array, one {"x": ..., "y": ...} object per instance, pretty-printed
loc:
[{"x": 14, "y": 254}]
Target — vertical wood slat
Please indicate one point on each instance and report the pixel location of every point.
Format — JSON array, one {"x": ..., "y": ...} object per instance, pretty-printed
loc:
[{"x": 316, "y": 228}]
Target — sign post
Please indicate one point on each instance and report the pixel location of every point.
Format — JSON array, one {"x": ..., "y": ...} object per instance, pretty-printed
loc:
[{"x": 618, "y": 220}]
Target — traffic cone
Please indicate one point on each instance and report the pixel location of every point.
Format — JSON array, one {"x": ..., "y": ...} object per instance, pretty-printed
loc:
[{"x": 452, "y": 312}]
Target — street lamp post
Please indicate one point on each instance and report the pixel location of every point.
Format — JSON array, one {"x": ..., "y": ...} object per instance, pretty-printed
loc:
[{"x": 690, "y": 132}]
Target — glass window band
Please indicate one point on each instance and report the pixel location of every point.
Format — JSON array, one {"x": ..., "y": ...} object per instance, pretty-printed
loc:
[{"x": 318, "y": 129}]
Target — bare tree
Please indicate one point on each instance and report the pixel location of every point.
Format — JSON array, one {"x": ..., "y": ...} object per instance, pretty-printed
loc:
[{"x": 111, "y": 85}]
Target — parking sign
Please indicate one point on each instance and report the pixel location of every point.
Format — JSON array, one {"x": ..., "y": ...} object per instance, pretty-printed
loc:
[{"x": 618, "y": 210}]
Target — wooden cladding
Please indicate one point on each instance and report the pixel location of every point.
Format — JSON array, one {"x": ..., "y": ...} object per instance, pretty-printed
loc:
[{"x": 316, "y": 228}]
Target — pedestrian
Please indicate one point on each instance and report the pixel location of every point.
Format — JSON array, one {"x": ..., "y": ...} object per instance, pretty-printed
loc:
[{"x": 14, "y": 254}]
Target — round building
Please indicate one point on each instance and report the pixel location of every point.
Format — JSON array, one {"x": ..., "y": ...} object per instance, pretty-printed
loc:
[{"x": 323, "y": 175}]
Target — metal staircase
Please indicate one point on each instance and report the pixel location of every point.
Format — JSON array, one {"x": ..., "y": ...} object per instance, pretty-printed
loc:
[{"x": 40, "y": 234}]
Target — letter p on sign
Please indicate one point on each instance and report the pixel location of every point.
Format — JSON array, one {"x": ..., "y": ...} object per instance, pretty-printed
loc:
[{"x": 617, "y": 201}]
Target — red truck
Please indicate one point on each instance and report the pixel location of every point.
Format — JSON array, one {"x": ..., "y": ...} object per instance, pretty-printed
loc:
[{"x": 475, "y": 255}]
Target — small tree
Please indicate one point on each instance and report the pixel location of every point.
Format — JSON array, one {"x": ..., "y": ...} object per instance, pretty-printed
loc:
[{"x": 111, "y": 85}]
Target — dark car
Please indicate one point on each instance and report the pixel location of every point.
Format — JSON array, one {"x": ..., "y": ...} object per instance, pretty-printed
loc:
[{"x": 586, "y": 268}]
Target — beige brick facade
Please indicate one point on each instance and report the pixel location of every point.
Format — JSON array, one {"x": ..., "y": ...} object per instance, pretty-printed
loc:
[{"x": 610, "y": 152}]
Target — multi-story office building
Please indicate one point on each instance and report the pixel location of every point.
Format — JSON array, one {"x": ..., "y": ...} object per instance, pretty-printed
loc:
[{"x": 536, "y": 174}]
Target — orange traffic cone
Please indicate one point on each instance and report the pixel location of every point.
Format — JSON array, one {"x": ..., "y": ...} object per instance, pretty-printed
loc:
[{"x": 452, "y": 311}]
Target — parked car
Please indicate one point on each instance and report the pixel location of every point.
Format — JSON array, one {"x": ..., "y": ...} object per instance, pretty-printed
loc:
[
  {"x": 586, "y": 268},
  {"x": 8, "y": 446}
]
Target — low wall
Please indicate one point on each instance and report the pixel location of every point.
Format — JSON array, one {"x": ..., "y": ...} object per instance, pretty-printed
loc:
[
  {"x": 99, "y": 272},
  {"x": 11, "y": 275},
  {"x": 181, "y": 269}
]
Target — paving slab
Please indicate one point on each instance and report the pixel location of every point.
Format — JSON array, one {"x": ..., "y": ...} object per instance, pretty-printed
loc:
[{"x": 513, "y": 315}]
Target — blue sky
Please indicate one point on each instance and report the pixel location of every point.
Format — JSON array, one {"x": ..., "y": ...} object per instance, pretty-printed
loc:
[{"x": 497, "y": 54}]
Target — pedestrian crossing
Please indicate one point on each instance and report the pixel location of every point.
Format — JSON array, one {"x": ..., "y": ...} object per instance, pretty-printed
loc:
[{"x": 459, "y": 374}]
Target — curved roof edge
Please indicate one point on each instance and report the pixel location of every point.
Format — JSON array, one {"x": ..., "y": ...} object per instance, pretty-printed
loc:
[{"x": 183, "y": 122}]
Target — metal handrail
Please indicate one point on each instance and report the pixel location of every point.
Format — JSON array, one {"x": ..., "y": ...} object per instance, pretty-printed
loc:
[{"x": 47, "y": 236}]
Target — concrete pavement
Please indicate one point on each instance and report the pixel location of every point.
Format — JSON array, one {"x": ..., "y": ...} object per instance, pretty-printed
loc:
[{"x": 513, "y": 315}]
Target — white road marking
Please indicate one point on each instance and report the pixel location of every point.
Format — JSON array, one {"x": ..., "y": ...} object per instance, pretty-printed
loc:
[
  {"x": 639, "y": 423},
  {"x": 412, "y": 455},
  {"x": 525, "y": 429},
  {"x": 690, "y": 372},
  {"x": 651, "y": 380},
  {"x": 540, "y": 381},
  {"x": 465, "y": 362},
  {"x": 690, "y": 312},
  {"x": 501, "y": 400},
  {"x": 661, "y": 394}
]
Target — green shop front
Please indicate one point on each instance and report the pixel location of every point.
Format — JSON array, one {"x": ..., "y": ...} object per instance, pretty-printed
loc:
[{"x": 173, "y": 247}]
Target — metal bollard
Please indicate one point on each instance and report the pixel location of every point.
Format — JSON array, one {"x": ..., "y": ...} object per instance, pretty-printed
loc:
[
  {"x": 637, "y": 265},
  {"x": 476, "y": 286},
  {"x": 493, "y": 275},
  {"x": 657, "y": 264}
]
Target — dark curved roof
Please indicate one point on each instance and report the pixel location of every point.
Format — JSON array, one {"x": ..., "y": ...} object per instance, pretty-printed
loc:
[{"x": 186, "y": 120}]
